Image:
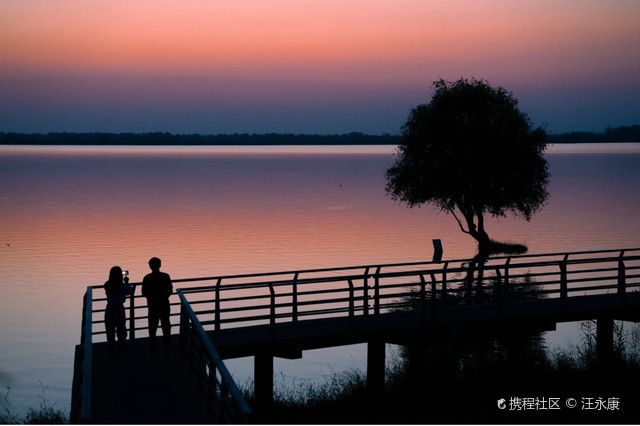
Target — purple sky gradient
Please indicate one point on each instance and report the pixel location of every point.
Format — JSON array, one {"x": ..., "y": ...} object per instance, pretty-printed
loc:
[{"x": 308, "y": 67}]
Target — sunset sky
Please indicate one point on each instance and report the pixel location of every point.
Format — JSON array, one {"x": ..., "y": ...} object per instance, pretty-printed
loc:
[{"x": 308, "y": 66}]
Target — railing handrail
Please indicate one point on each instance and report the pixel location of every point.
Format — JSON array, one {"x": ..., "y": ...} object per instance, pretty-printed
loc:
[
  {"x": 387, "y": 265},
  {"x": 240, "y": 404},
  {"x": 556, "y": 269},
  {"x": 402, "y": 264},
  {"x": 450, "y": 270},
  {"x": 446, "y": 269}
]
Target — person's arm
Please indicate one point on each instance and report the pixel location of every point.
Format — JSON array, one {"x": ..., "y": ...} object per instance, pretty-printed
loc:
[
  {"x": 129, "y": 289},
  {"x": 170, "y": 285},
  {"x": 144, "y": 287}
]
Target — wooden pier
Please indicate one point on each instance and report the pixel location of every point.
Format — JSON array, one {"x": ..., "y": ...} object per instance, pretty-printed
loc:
[{"x": 282, "y": 314}]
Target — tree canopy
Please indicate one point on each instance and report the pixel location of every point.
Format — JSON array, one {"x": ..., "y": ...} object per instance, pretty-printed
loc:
[{"x": 471, "y": 152}]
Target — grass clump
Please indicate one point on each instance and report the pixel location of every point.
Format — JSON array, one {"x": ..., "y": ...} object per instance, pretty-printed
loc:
[
  {"x": 460, "y": 380},
  {"x": 45, "y": 414}
]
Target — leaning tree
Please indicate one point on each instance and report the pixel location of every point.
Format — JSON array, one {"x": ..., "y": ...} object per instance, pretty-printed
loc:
[{"x": 471, "y": 152}]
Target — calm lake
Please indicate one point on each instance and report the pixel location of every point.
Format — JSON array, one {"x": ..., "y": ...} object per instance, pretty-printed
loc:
[{"x": 67, "y": 214}]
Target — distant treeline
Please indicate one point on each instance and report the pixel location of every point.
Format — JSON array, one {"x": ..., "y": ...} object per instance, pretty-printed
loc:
[
  {"x": 611, "y": 134},
  {"x": 616, "y": 134},
  {"x": 353, "y": 138}
]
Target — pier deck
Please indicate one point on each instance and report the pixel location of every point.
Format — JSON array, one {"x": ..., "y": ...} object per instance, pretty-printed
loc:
[{"x": 158, "y": 389}]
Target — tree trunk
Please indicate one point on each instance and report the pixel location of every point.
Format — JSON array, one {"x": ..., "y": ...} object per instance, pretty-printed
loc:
[
  {"x": 484, "y": 245},
  {"x": 480, "y": 235},
  {"x": 477, "y": 231}
]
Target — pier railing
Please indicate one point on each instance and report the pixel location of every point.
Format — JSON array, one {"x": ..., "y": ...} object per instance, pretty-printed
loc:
[
  {"x": 226, "y": 399},
  {"x": 270, "y": 299},
  {"x": 371, "y": 290},
  {"x": 82, "y": 384}
]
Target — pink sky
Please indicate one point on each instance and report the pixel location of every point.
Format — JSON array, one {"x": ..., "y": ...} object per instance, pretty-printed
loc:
[{"x": 308, "y": 66}]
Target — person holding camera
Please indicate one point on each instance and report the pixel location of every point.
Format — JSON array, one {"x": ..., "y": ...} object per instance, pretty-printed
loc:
[
  {"x": 117, "y": 289},
  {"x": 157, "y": 287}
]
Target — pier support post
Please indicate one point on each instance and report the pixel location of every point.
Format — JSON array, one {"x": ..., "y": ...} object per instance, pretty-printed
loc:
[
  {"x": 375, "y": 367},
  {"x": 263, "y": 383},
  {"x": 604, "y": 340}
]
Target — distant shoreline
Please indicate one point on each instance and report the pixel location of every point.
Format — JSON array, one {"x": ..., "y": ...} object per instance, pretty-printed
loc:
[
  {"x": 610, "y": 135},
  {"x": 168, "y": 139}
]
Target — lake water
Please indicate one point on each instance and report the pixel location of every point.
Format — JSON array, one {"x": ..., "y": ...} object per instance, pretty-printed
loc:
[{"x": 67, "y": 214}]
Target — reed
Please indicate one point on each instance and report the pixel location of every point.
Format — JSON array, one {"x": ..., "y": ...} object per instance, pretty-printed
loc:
[
  {"x": 460, "y": 382},
  {"x": 45, "y": 414}
]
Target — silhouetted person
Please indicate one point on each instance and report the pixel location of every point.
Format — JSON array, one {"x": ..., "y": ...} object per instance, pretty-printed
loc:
[
  {"x": 157, "y": 288},
  {"x": 117, "y": 289}
]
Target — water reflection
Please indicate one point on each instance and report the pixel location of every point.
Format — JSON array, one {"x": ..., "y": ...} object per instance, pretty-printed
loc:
[{"x": 68, "y": 214}]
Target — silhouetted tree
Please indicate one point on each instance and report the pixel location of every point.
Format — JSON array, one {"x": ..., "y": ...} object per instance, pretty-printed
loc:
[{"x": 471, "y": 152}]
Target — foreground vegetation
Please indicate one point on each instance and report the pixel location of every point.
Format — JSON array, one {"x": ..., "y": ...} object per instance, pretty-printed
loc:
[
  {"x": 45, "y": 414},
  {"x": 460, "y": 379}
]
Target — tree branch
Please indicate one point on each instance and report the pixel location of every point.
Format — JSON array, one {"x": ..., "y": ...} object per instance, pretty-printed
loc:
[{"x": 452, "y": 211}]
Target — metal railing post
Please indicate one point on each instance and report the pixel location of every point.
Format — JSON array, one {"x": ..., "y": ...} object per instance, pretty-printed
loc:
[
  {"x": 272, "y": 309},
  {"x": 376, "y": 293},
  {"x": 295, "y": 298},
  {"x": 181, "y": 325},
  {"x": 352, "y": 302},
  {"x": 132, "y": 315},
  {"x": 423, "y": 296},
  {"x": 365, "y": 293},
  {"x": 217, "y": 324},
  {"x": 444, "y": 283},
  {"x": 506, "y": 277}
]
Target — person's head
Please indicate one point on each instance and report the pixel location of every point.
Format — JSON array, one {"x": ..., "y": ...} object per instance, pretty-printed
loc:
[
  {"x": 154, "y": 264},
  {"x": 115, "y": 275}
]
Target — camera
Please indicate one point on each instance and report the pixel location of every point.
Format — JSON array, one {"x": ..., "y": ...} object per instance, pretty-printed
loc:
[{"x": 125, "y": 273}]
